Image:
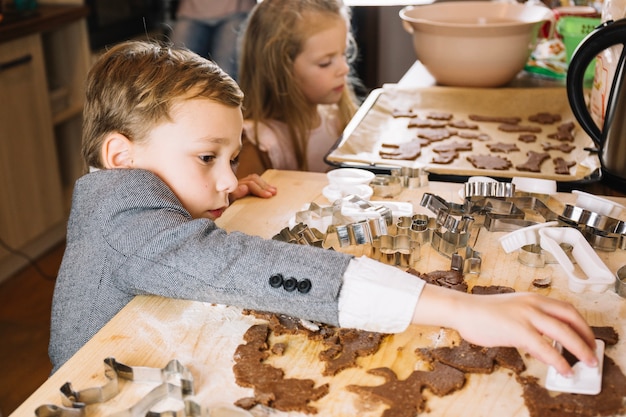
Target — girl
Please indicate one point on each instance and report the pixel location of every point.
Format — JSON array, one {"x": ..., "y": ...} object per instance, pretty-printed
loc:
[{"x": 295, "y": 75}]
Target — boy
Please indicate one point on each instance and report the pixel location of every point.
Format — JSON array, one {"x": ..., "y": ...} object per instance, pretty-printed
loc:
[{"x": 162, "y": 128}]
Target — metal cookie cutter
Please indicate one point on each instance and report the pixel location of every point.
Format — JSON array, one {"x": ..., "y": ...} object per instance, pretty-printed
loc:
[
  {"x": 418, "y": 227},
  {"x": 488, "y": 189},
  {"x": 598, "y": 277},
  {"x": 620, "y": 282},
  {"x": 386, "y": 186},
  {"x": 175, "y": 381},
  {"x": 397, "y": 250},
  {"x": 468, "y": 264},
  {"x": 411, "y": 177},
  {"x": 589, "y": 218}
]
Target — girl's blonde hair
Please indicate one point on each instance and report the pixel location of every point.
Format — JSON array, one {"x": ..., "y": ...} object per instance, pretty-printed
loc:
[
  {"x": 133, "y": 85},
  {"x": 275, "y": 34}
]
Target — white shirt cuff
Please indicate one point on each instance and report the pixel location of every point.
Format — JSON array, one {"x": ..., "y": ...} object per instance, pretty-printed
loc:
[{"x": 377, "y": 297}]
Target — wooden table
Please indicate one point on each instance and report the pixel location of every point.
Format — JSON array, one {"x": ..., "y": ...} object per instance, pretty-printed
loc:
[{"x": 150, "y": 331}]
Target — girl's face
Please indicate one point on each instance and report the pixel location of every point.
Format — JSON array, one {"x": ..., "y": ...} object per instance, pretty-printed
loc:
[
  {"x": 321, "y": 68},
  {"x": 195, "y": 154}
]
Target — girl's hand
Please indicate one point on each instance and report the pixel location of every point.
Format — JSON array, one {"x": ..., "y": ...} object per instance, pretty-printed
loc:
[
  {"x": 523, "y": 320},
  {"x": 253, "y": 184}
]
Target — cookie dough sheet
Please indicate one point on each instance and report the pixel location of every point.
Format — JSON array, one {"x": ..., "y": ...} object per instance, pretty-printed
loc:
[{"x": 377, "y": 127}]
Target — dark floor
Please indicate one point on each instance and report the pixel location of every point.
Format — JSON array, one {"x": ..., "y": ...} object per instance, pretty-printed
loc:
[{"x": 25, "y": 301}]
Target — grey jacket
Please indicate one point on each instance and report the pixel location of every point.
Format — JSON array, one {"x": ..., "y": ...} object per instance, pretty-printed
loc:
[{"x": 128, "y": 234}]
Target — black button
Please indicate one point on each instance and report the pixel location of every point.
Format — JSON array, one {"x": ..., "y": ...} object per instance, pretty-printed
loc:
[
  {"x": 304, "y": 286},
  {"x": 290, "y": 284},
  {"x": 276, "y": 280}
]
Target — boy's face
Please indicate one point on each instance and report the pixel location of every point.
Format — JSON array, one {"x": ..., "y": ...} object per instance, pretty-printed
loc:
[
  {"x": 321, "y": 67},
  {"x": 194, "y": 154}
]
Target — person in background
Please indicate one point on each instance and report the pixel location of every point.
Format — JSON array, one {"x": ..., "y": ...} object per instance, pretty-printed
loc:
[
  {"x": 211, "y": 28},
  {"x": 296, "y": 76},
  {"x": 163, "y": 128}
]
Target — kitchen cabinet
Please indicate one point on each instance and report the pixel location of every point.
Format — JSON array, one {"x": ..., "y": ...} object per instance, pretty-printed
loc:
[{"x": 43, "y": 64}]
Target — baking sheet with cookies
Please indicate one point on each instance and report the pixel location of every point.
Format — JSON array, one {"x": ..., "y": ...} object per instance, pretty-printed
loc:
[{"x": 382, "y": 125}]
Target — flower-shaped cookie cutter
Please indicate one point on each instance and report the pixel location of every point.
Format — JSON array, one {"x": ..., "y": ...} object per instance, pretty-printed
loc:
[{"x": 396, "y": 250}]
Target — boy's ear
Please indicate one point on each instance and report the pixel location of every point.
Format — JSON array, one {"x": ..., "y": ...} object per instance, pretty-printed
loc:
[{"x": 117, "y": 151}]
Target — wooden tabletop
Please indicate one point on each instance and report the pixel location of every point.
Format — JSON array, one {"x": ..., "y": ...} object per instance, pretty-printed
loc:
[{"x": 151, "y": 331}]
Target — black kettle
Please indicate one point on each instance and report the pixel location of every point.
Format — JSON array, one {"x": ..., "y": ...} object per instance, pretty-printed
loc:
[{"x": 611, "y": 139}]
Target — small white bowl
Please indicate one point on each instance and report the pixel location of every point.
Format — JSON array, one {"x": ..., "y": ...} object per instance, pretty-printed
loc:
[
  {"x": 333, "y": 192},
  {"x": 349, "y": 176}
]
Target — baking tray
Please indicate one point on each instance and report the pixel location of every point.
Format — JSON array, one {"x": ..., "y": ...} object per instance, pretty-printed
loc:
[{"x": 374, "y": 124}]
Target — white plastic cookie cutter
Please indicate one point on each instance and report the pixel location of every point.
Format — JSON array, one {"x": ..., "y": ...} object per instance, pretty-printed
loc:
[
  {"x": 598, "y": 277},
  {"x": 586, "y": 380}
]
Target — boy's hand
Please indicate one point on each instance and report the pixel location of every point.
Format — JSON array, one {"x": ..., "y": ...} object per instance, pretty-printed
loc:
[
  {"x": 253, "y": 185},
  {"x": 524, "y": 320}
]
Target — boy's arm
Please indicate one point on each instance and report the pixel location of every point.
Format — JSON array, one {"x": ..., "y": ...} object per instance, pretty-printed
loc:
[{"x": 377, "y": 297}]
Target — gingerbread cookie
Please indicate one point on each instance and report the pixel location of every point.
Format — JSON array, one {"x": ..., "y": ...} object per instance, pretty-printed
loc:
[
  {"x": 462, "y": 124},
  {"x": 564, "y": 132},
  {"x": 563, "y": 147},
  {"x": 435, "y": 134},
  {"x": 408, "y": 150},
  {"x": 439, "y": 115},
  {"x": 527, "y": 138},
  {"x": 534, "y": 161},
  {"x": 423, "y": 123},
  {"x": 453, "y": 146},
  {"x": 490, "y": 162},
  {"x": 397, "y": 113},
  {"x": 503, "y": 147},
  {"x": 509, "y": 127},
  {"x": 495, "y": 119},
  {"x": 545, "y": 118},
  {"x": 483, "y": 137},
  {"x": 444, "y": 158},
  {"x": 561, "y": 166}
]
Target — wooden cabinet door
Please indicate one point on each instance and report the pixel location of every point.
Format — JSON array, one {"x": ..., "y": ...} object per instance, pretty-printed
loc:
[{"x": 30, "y": 187}]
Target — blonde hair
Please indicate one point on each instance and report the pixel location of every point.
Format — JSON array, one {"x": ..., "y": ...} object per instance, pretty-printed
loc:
[
  {"x": 133, "y": 85},
  {"x": 275, "y": 34}
]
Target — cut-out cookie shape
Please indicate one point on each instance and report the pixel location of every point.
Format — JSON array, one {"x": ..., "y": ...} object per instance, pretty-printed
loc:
[
  {"x": 503, "y": 147},
  {"x": 564, "y": 132},
  {"x": 490, "y": 162},
  {"x": 474, "y": 135},
  {"x": 545, "y": 118},
  {"x": 408, "y": 150},
  {"x": 534, "y": 161},
  {"x": 508, "y": 127},
  {"x": 527, "y": 138},
  {"x": 495, "y": 119},
  {"x": 563, "y": 147}
]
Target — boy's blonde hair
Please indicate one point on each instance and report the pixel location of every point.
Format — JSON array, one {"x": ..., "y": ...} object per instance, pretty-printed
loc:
[
  {"x": 133, "y": 85},
  {"x": 275, "y": 34}
]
